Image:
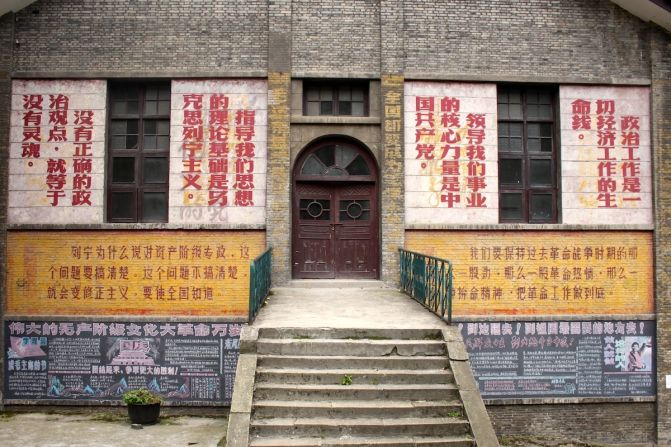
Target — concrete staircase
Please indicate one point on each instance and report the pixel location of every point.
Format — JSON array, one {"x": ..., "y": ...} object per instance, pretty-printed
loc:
[{"x": 351, "y": 387}]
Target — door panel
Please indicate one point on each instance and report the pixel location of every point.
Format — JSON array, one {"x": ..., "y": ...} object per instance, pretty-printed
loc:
[
  {"x": 356, "y": 232},
  {"x": 335, "y": 231},
  {"x": 313, "y": 232}
]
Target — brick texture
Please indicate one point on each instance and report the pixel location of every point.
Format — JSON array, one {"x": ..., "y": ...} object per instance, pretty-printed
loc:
[
  {"x": 335, "y": 38},
  {"x": 618, "y": 423},
  {"x": 278, "y": 214},
  {"x": 148, "y": 36},
  {"x": 499, "y": 39},
  {"x": 6, "y": 45},
  {"x": 661, "y": 142}
]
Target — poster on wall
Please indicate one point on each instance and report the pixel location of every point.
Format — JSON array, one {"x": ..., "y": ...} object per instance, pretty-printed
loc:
[
  {"x": 606, "y": 169},
  {"x": 176, "y": 273},
  {"x": 450, "y": 153},
  {"x": 545, "y": 272},
  {"x": 57, "y": 151},
  {"x": 218, "y": 151},
  {"x": 535, "y": 359},
  {"x": 99, "y": 360}
]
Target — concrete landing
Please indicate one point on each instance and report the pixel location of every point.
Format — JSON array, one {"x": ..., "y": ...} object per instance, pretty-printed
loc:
[{"x": 344, "y": 307}]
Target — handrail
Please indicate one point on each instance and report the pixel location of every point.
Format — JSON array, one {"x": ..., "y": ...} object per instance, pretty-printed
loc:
[
  {"x": 428, "y": 280},
  {"x": 259, "y": 282}
]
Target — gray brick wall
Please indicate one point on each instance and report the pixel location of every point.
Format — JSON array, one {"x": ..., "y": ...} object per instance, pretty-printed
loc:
[
  {"x": 336, "y": 38},
  {"x": 143, "y": 36},
  {"x": 617, "y": 423},
  {"x": 585, "y": 40},
  {"x": 661, "y": 144}
]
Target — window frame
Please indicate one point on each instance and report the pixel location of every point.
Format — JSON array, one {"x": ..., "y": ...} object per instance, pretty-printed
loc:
[
  {"x": 336, "y": 86},
  {"x": 526, "y": 156},
  {"x": 138, "y": 187}
]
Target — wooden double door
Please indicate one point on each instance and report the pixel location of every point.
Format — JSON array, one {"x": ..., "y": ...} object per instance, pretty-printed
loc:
[{"x": 335, "y": 231}]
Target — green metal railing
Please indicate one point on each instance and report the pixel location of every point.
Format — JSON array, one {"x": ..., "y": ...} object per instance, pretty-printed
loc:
[
  {"x": 259, "y": 282},
  {"x": 428, "y": 280}
]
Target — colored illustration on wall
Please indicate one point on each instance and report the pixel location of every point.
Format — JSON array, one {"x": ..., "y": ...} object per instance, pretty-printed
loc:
[
  {"x": 218, "y": 151},
  {"x": 132, "y": 273},
  {"x": 450, "y": 153},
  {"x": 544, "y": 273},
  {"x": 57, "y": 151},
  {"x": 606, "y": 164},
  {"x": 561, "y": 358},
  {"x": 65, "y": 360}
]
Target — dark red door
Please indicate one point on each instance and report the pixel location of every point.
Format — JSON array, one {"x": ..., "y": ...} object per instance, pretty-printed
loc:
[{"x": 335, "y": 215}]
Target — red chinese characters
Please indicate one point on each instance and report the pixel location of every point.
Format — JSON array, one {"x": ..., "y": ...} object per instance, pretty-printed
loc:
[
  {"x": 228, "y": 149},
  {"x": 82, "y": 161},
  {"x": 611, "y": 169},
  {"x": 445, "y": 142}
]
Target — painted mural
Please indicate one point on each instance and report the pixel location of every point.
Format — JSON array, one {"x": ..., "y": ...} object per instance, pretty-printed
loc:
[
  {"x": 450, "y": 153},
  {"x": 606, "y": 165},
  {"x": 57, "y": 151},
  {"x": 545, "y": 272},
  {"x": 174, "y": 273},
  {"x": 218, "y": 151}
]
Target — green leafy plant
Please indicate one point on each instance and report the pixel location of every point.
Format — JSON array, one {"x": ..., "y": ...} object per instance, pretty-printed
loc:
[
  {"x": 346, "y": 380},
  {"x": 142, "y": 396},
  {"x": 454, "y": 414}
]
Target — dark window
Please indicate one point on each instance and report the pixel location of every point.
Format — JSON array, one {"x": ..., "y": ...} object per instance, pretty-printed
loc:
[
  {"x": 335, "y": 98},
  {"x": 527, "y": 155},
  {"x": 138, "y": 153}
]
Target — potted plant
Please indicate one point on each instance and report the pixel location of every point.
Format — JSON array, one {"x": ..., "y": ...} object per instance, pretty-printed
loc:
[{"x": 144, "y": 406}]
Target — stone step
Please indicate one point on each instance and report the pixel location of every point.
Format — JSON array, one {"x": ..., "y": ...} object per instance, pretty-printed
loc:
[
  {"x": 304, "y": 427},
  {"x": 357, "y": 376},
  {"x": 293, "y": 392},
  {"x": 357, "y": 408},
  {"x": 400, "y": 441},
  {"x": 336, "y": 362},
  {"x": 360, "y": 348},
  {"x": 352, "y": 333},
  {"x": 334, "y": 284}
]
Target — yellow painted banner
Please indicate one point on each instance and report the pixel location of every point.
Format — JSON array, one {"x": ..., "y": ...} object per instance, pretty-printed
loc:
[
  {"x": 544, "y": 272},
  {"x": 170, "y": 273}
]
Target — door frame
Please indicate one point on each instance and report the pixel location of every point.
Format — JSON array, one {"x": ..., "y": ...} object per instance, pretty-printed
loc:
[{"x": 331, "y": 181}]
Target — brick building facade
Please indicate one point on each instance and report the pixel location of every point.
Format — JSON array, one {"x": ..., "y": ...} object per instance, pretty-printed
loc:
[{"x": 152, "y": 148}]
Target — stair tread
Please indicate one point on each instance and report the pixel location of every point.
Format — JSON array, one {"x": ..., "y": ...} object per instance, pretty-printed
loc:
[
  {"x": 314, "y": 441},
  {"x": 262, "y": 369},
  {"x": 361, "y": 422},
  {"x": 383, "y": 386},
  {"x": 428, "y": 358},
  {"x": 358, "y": 403},
  {"x": 398, "y": 341}
]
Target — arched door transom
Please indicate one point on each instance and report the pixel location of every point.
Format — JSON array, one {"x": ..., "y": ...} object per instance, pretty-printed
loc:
[{"x": 335, "y": 214}]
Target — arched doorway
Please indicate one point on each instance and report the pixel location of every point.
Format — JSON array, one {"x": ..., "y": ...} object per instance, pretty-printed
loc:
[{"x": 335, "y": 212}]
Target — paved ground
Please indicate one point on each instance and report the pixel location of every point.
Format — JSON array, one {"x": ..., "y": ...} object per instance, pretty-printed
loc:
[
  {"x": 103, "y": 430},
  {"x": 344, "y": 307}
]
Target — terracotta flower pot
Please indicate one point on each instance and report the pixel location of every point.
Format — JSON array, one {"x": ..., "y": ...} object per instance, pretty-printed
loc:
[{"x": 144, "y": 414}]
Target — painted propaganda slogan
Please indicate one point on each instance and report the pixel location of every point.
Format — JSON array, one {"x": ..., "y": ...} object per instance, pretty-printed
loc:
[
  {"x": 606, "y": 167},
  {"x": 545, "y": 272},
  {"x": 218, "y": 151},
  {"x": 57, "y": 151},
  {"x": 562, "y": 358},
  {"x": 199, "y": 273},
  {"x": 450, "y": 153},
  {"x": 99, "y": 360}
]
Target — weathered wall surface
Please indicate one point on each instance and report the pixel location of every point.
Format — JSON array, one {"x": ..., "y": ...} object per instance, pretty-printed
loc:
[
  {"x": 618, "y": 423},
  {"x": 532, "y": 39},
  {"x": 336, "y": 38},
  {"x": 661, "y": 146},
  {"x": 141, "y": 38}
]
